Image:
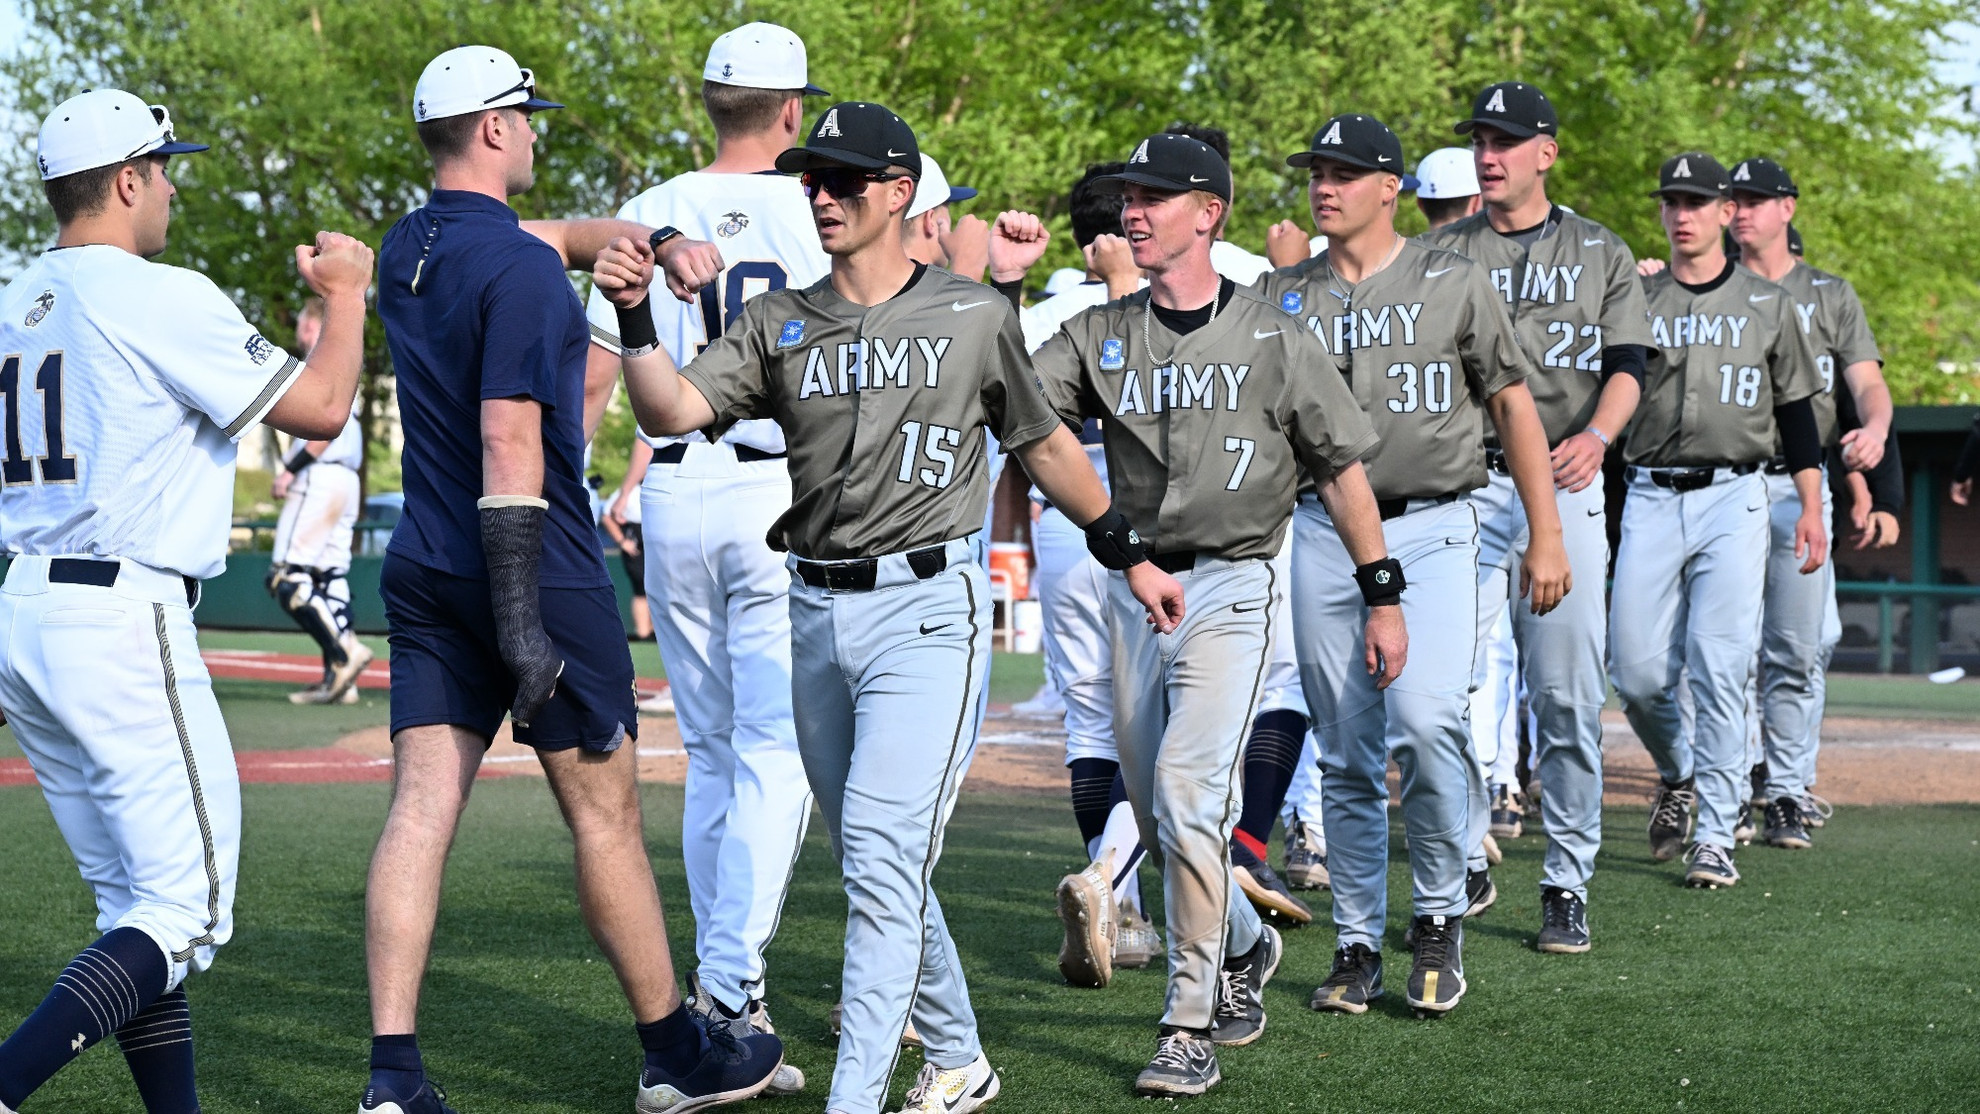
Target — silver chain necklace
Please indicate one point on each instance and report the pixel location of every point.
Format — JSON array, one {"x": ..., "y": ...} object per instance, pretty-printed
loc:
[{"x": 1148, "y": 336}]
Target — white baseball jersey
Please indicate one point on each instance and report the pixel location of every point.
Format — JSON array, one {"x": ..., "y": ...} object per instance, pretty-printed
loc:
[
  {"x": 1041, "y": 320},
  {"x": 762, "y": 224},
  {"x": 125, "y": 386},
  {"x": 1237, "y": 264},
  {"x": 346, "y": 450}
]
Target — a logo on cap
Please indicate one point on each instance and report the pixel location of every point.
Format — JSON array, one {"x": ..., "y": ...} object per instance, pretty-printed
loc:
[
  {"x": 419, "y": 108},
  {"x": 1333, "y": 135},
  {"x": 732, "y": 223},
  {"x": 42, "y": 304},
  {"x": 1683, "y": 169},
  {"x": 829, "y": 125},
  {"x": 728, "y": 69},
  {"x": 1498, "y": 101},
  {"x": 1292, "y": 301},
  {"x": 1741, "y": 174},
  {"x": 791, "y": 335},
  {"x": 44, "y": 165},
  {"x": 1140, "y": 153},
  {"x": 1113, "y": 354}
]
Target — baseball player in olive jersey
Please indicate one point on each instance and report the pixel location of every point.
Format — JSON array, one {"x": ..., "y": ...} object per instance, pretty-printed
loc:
[
  {"x": 1730, "y": 370},
  {"x": 1577, "y": 306},
  {"x": 1799, "y": 626},
  {"x": 1426, "y": 345},
  {"x": 884, "y": 376},
  {"x": 1212, "y": 400}
]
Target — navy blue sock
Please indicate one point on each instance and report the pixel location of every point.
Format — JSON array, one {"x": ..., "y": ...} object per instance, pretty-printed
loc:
[
  {"x": 1092, "y": 795},
  {"x": 397, "y": 1072},
  {"x": 672, "y": 1044},
  {"x": 158, "y": 1046},
  {"x": 1271, "y": 755},
  {"x": 104, "y": 986}
]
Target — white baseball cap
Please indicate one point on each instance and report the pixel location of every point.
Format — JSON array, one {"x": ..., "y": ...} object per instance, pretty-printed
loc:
[
  {"x": 760, "y": 56},
  {"x": 934, "y": 189},
  {"x": 101, "y": 128},
  {"x": 1064, "y": 279},
  {"x": 1445, "y": 172},
  {"x": 473, "y": 78}
]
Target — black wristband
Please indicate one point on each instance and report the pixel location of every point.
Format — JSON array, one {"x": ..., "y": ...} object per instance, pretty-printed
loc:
[
  {"x": 1114, "y": 542},
  {"x": 637, "y": 333},
  {"x": 1013, "y": 291},
  {"x": 300, "y": 459},
  {"x": 1381, "y": 582}
]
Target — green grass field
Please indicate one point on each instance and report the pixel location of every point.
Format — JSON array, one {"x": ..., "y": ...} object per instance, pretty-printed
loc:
[{"x": 1833, "y": 980}]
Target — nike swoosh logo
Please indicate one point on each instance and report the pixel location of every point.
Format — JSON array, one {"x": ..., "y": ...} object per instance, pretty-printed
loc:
[
  {"x": 927, "y": 629},
  {"x": 1593, "y": 511},
  {"x": 1242, "y": 609},
  {"x": 892, "y": 154},
  {"x": 1592, "y": 243},
  {"x": 1759, "y": 297},
  {"x": 961, "y": 306},
  {"x": 1194, "y": 179},
  {"x": 1381, "y": 158},
  {"x": 1257, "y": 334},
  {"x": 1434, "y": 274}
]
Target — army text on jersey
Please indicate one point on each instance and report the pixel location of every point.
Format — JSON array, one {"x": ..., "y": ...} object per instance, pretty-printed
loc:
[{"x": 883, "y": 407}]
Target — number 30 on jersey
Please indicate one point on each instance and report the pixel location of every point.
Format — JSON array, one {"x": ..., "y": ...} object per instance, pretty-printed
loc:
[{"x": 56, "y": 465}]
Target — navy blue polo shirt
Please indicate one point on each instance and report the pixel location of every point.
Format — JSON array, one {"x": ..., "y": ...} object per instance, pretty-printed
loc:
[{"x": 493, "y": 317}]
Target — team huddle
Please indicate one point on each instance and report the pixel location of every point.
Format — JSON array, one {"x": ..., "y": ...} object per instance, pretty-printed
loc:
[{"x": 1296, "y": 517}]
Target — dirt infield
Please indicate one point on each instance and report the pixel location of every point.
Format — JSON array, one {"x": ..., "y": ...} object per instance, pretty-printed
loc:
[{"x": 1863, "y": 762}]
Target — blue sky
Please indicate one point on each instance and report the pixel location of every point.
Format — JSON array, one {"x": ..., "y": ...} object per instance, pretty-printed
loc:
[{"x": 1962, "y": 67}]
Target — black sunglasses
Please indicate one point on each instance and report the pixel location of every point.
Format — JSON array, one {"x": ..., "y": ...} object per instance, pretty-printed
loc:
[{"x": 842, "y": 184}]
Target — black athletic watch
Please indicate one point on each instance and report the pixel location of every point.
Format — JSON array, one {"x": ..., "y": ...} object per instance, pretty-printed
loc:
[{"x": 661, "y": 235}]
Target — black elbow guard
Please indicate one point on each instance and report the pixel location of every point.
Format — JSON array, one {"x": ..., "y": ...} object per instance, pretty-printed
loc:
[
  {"x": 1114, "y": 542},
  {"x": 1632, "y": 360},
  {"x": 1801, "y": 438}
]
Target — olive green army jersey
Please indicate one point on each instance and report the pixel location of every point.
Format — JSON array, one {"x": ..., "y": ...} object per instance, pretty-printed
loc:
[
  {"x": 1205, "y": 435},
  {"x": 1723, "y": 359},
  {"x": 1423, "y": 342},
  {"x": 1571, "y": 294},
  {"x": 883, "y": 407},
  {"x": 1831, "y": 317}
]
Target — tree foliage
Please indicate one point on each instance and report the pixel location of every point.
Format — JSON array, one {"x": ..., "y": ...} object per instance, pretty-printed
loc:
[{"x": 307, "y": 105}]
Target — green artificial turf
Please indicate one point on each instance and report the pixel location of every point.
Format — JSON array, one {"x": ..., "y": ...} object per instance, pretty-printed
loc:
[{"x": 1836, "y": 979}]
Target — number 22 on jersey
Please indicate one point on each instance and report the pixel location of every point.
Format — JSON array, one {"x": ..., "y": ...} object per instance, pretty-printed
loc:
[{"x": 55, "y": 464}]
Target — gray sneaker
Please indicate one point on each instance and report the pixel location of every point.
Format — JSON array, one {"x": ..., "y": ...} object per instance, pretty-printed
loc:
[
  {"x": 1239, "y": 1015},
  {"x": 1183, "y": 1065}
]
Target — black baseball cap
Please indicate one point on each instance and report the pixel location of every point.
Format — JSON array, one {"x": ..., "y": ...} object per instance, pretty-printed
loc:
[
  {"x": 1794, "y": 240},
  {"x": 859, "y": 135},
  {"x": 1764, "y": 177},
  {"x": 1513, "y": 107},
  {"x": 1166, "y": 161},
  {"x": 1695, "y": 173},
  {"x": 1354, "y": 140}
]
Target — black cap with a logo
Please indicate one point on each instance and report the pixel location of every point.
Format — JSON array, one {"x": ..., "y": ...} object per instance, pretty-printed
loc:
[
  {"x": 1166, "y": 161},
  {"x": 1354, "y": 140},
  {"x": 1764, "y": 177},
  {"x": 859, "y": 135},
  {"x": 1513, "y": 107},
  {"x": 1694, "y": 173}
]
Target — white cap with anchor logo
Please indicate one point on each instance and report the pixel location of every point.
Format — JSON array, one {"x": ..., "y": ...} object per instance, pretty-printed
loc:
[{"x": 760, "y": 56}]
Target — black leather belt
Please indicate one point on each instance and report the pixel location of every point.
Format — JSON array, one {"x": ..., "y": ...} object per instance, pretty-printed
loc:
[
  {"x": 1182, "y": 560},
  {"x": 860, "y": 575},
  {"x": 677, "y": 452},
  {"x": 101, "y": 574},
  {"x": 1396, "y": 508},
  {"x": 1688, "y": 479},
  {"x": 1495, "y": 459}
]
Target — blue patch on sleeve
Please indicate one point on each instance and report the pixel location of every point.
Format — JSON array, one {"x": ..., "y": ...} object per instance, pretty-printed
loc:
[
  {"x": 1113, "y": 354},
  {"x": 1292, "y": 301},
  {"x": 792, "y": 335}
]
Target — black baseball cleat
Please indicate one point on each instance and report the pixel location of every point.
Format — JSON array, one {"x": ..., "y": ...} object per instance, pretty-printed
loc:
[
  {"x": 1563, "y": 922},
  {"x": 1239, "y": 1015},
  {"x": 1436, "y": 979},
  {"x": 1263, "y": 887},
  {"x": 1670, "y": 819},
  {"x": 1743, "y": 826},
  {"x": 1785, "y": 827},
  {"x": 1711, "y": 867},
  {"x": 1184, "y": 1064},
  {"x": 430, "y": 1100},
  {"x": 1479, "y": 892},
  {"x": 1355, "y": 981},
  {"x": 1815, "y": 811}
]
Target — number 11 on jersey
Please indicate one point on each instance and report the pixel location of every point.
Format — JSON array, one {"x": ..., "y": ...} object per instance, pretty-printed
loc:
[{"x": 56, "y": 465}]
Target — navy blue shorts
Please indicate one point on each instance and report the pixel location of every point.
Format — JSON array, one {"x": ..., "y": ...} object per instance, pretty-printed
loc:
[{"x": 446, "y": 668}]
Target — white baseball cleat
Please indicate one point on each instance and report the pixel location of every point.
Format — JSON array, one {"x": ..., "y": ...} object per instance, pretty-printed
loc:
[
  {"x": 356, "y": 656},
  {"x": 952, "y": 1090}
]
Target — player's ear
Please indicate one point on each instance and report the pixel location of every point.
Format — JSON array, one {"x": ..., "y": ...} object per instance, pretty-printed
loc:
[
  {"x": 1788, "y": 205},
  {"x": 792, "y": 118},
  {"x": 1549, "y": 151}
]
